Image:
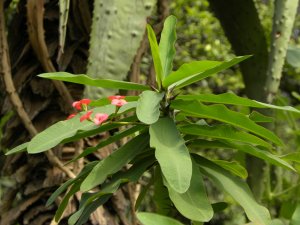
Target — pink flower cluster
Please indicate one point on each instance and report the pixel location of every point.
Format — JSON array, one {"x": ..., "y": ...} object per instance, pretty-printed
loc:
[{"x": 99, "y": 118}]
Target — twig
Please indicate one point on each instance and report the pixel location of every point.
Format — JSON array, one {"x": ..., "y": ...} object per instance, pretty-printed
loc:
[
  {"x": 135, "y": 67},
  {"x": 5, "y": 71}
]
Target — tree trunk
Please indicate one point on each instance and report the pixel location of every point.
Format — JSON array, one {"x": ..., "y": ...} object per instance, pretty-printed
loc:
[
  {"x": 243, "y": 29},
  {"x": 262, "y": 72}
]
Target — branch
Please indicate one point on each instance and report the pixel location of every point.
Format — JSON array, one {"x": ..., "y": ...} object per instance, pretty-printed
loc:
[
  {"x": 35, "y": 18},
  {"x": 5, "y": 71},
  {"x": 283, "y": 21}
]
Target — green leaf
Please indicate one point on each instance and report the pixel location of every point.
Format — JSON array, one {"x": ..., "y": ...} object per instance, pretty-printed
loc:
[
  {"x": 223, "y": 131},
  {"x": 265, "y": 155},
  {"x": 106, "y": 101},
  {"x": 232, "y": 99},
  {"x": 155, "y": 55},
  {"x": 155, "y": 219},
  {"x": 17, "y": 149},
  {"x": 292, "y": 157},
  {"x": 167, "y": 45},
  {"x": 87, "y": 200},
  {"x": 60, "y": 190},
  {"x": 295, "y": 220},
  {"x": 96, "y": 129},
  {"x": 65, "y": 201},
  {"x": 249, "y": 149},
  {"x": 171, "y": 153},
  {"x": 293, "y": 56},
  {"x": 86, "y": 80},
  {"x": 235, "y": 187},
  {"x": 187, "y": 70},
  {"x": 83, "y": 214},
  {"x": 219, "y": 206},
  {"x": 199, "y": 143},
  {"x": 56, "y": 133},
  {"x": 142, "y": 194},
  {"x": 193, "y": 203},
  {"x": 276, "y": 222},
  {"x": 195, "y": 75},
  {"x": 260, "y": 118},
  {"x": 147, "y": 109},
  {"x": 161, "y": 199},
  {"x": 87, "y": 168},
  {"x": 233, "y": 167},
  {"x": 108, "y": 141},
  {"x": 223, "y": 114},
  {"x": 114, "y": 162}
]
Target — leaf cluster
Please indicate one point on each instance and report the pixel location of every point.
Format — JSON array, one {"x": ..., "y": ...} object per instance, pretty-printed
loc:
[{"x": 168, "y": 132}]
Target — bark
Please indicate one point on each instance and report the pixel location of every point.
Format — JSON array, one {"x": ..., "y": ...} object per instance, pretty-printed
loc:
[
  {"x": 262, "y": 73},
  {"x": 38, "y": 104},
  {"x": 243, "y": 29},
  {"x": 283, "y": 21}
]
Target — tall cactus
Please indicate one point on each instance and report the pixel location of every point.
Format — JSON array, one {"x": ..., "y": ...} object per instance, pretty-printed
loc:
[
  {"x": 64, "y": 6},
  {"x": 117, "y": 30},
  {"x": 283, "y": 20}
]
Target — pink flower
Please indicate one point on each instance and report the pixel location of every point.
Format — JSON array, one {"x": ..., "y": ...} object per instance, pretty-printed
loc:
[
  {"x": 116, "y": 97},
  {"x": 86, "y": 116},
  {"x": 118, "y": 102},
  {"x": 83, "y": 102},
  {"x": 100, "y": 118},
  {"x": 71, "y": 116}
]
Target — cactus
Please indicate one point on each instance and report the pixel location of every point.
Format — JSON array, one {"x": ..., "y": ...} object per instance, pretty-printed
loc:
[
  {"x": 63, "y": 19},
  {"x": 284, "y": 17},
  {"x": 117, "y": 30}
]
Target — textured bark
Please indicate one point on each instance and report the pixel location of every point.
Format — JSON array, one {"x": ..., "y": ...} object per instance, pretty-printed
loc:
[
  {"x": 39, "y": 104},
  {"x": 262, "y": 72},
  {"x": 243, "y": 29},
  {"x": 283, "y": 21}
]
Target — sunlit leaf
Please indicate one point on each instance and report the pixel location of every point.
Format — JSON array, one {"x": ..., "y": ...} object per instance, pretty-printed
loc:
[
  {"x": 293, "y": 56},
  {"x": 86, "y": 80},
  {"x": 148, "y": 105},
  {"x": 246, "y": 148},
  {"x": 235, "y": 187},
  {"x": 194, "y": 74},
  {"x": 108, "y": 141},
  {"x": 115, "y": 161},
  {"x": 155, "y": 219},
  {"x": 17, "y": 149},
  {"x": 223, "y": 131},
  {"x": 167, "y": 45},
  {"x": 295, "y": 220},
  {"x": 155, "y": 55},
  {"x": 171, "y": 153},
  {"x": 234, "y": 167},
  {"x": 233, "y": 99},
  {"x": 187, "y": 70},
  {"x": 223, "y": 114},
  {"x": 260, "y": 118},
  {"x": 56, "y": 133},
  {"x": 193, "y": 203}
]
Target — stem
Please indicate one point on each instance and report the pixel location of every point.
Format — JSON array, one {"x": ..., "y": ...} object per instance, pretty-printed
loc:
[{"x": 128, "y": 123}]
